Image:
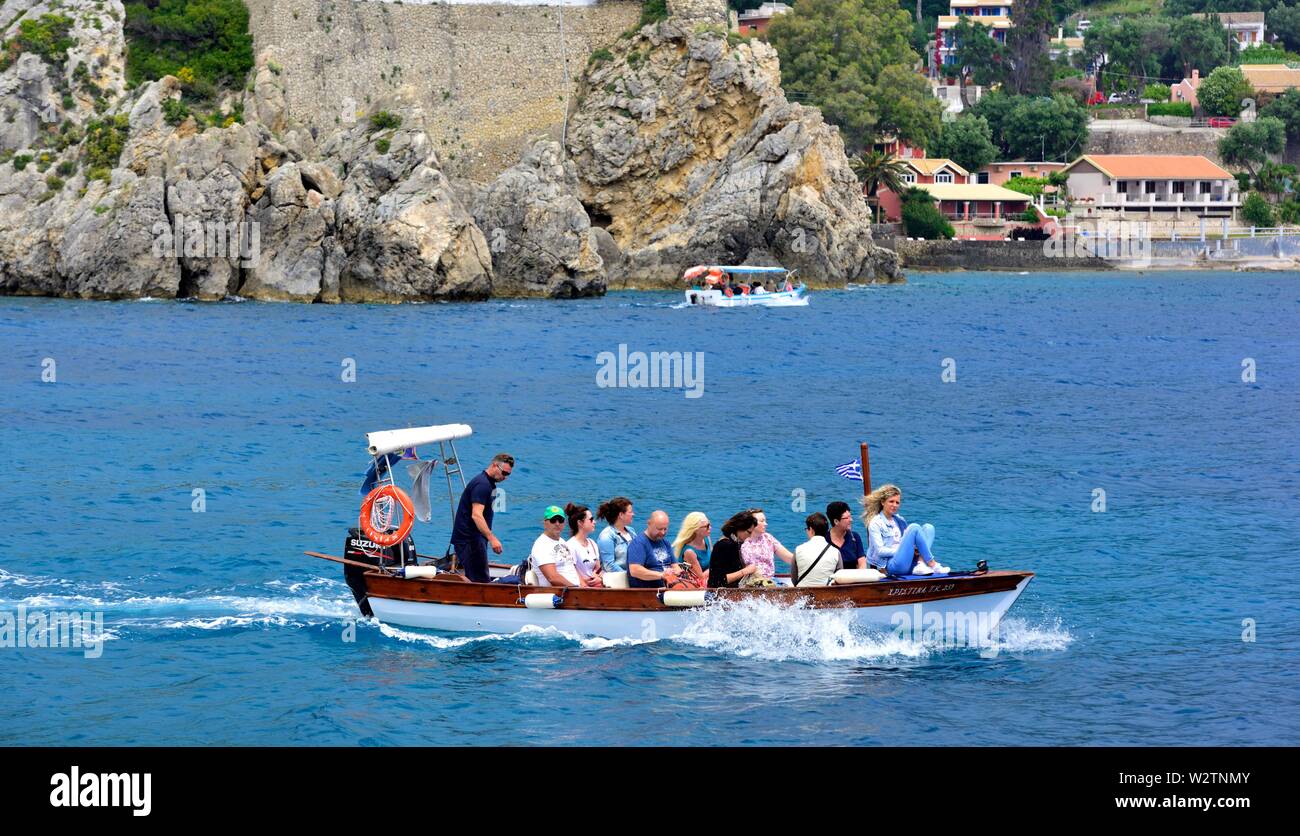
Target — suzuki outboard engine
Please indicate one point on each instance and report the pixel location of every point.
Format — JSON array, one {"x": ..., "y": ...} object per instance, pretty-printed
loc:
[{"x": 362, "y": 550}]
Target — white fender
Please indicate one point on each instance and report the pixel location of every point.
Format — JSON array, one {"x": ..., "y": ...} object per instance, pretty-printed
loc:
[
  {"x": 541, "y": 601},
  {"x": 685, "y": 597},
  {"x": 844, "y": 576}
]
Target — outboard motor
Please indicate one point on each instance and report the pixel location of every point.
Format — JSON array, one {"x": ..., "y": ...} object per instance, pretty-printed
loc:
[{"x": 362, "y": 550}]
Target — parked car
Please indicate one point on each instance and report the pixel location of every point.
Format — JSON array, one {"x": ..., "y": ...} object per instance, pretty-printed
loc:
[
  {"x": 1119, "y": 97},
  {"x": 1221, "y": 121}
]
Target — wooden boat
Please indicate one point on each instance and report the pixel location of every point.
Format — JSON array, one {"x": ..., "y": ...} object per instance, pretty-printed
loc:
[
  {"x": 420, "y": 595},
  {"x": 977, "y": 602}
]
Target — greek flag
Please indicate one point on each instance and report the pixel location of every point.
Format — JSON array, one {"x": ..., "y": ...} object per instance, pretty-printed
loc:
[{"x": 852, "y": 470}]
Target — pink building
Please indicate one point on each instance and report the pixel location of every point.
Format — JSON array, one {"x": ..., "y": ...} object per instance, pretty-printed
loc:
[
  {"x": 1185, "y": 90},
  {"x": 976, "y": 210},
  {"x": 999, "y": 173}
]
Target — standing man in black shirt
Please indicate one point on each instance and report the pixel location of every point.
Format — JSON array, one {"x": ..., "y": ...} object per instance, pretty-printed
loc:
[{"x": 471, "y": 533}]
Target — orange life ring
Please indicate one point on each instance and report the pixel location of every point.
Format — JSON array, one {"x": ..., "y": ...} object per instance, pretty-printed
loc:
[{"x": 408, "y": 515}]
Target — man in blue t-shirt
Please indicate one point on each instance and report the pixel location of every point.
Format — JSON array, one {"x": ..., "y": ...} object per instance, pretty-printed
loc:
[
  {"x": 843, "y": 537},
  {"x": 649, "y": 556},
  {"x": 471, "y": 533}
]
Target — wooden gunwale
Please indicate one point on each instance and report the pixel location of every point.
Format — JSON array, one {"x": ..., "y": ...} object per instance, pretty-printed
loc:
[{"x": 875, "y": 594}]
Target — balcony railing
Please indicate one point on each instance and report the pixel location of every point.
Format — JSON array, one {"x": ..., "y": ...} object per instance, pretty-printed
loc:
[{"x": 1177, "y": 198}]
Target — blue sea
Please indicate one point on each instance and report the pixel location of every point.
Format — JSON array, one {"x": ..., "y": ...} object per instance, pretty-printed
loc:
[{"x": 1130, "y": 438}]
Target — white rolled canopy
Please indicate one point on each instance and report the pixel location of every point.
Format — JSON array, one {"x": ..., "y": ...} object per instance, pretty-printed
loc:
[{"x": 390, "y": 441}]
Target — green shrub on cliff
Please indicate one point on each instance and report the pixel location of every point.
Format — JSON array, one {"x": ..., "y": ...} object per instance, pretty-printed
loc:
[
  {"x": 21, "y": 161},
  {"x": 653, "y": 11},
  {"x": 47, "y": 36},
  {"x": 384, "y": 121},
  {"x": 105, "y": 140},
  {"x": 175, "y": 111},
  {"x": 209, "y": 36}
]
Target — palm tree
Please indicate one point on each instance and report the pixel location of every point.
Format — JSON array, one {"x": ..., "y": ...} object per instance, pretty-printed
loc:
[{"x": 878, "y": 170}]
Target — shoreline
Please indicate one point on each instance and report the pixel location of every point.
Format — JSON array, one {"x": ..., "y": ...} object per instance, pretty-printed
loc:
[
  {"x": 1239, "y": 255},
  {"x": 1110, "y": 268}
]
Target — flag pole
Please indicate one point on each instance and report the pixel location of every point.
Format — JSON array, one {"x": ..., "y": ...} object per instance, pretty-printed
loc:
[{"x": 866, "y": 468}]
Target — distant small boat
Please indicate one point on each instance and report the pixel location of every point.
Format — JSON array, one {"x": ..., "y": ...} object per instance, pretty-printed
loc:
[{"x": 710, "y": 286}]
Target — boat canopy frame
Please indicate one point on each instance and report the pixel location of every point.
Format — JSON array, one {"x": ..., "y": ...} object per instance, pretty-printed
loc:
[{"x": 380, "y": 444}]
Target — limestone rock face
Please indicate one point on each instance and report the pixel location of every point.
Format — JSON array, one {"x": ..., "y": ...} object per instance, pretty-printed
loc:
[
  {"x": 208, "y": 178},
  {"x": 116, "y": 255},
  {"x": 540, "y": 236},
  {"x": 37, "y": 96},
  {"x": 699, "y": 11},
  {"x": 690, "y": 149},
  {"x": 405, "y": 232},
  {"x": 681, "y": 149},
  {"x": 208, "y": 213},
  {"x": 27, "y": 102}
]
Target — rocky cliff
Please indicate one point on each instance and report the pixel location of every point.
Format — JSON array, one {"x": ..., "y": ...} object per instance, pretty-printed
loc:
[
  {"x": 682, "y": 149},
  {"x": 109, "y": 193},
  {"x": 687, "y": 152}
]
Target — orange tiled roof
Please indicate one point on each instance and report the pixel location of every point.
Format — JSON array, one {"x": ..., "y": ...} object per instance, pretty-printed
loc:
[
  {"x": 1154, "y": 166},
  {"x": 1271, "y": 78}
]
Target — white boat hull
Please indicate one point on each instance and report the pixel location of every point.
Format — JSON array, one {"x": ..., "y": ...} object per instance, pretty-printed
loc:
[
  {"x": 982, "y": 612},
  {"x": 717, "y": 299}
]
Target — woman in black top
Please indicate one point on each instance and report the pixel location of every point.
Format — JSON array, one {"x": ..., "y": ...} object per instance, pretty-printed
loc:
[{"x": 726, "y": 566}]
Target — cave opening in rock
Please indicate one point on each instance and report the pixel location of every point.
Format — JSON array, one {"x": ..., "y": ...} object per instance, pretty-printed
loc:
[
  {"x": 309, "y": 183},
  {"x": 597, "y": 217}
]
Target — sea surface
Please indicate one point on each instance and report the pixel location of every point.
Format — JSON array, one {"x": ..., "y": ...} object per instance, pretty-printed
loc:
[{"x": 1130, "y": 438}]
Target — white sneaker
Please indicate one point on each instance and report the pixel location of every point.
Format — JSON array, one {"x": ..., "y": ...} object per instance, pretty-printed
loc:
[
  {"x": 940, "y": 569},
  {"x": 922, "y": 569}
]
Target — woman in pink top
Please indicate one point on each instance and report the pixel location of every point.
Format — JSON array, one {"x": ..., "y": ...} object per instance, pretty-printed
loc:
[{"x": 762, "y": 548}]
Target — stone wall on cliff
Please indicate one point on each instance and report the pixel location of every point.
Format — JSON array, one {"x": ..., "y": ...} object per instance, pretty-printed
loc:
[
  {"x": 1158, "y": 140},
  {"x": 987, "y": 255},
  {"x": 489, "y": 77}
]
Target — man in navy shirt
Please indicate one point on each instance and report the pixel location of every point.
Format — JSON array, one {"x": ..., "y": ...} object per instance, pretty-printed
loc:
[
  {"x": 650, "y": 557},
  {"x": 471, "y": 533},
  {"x": 844, "y": 538}
]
